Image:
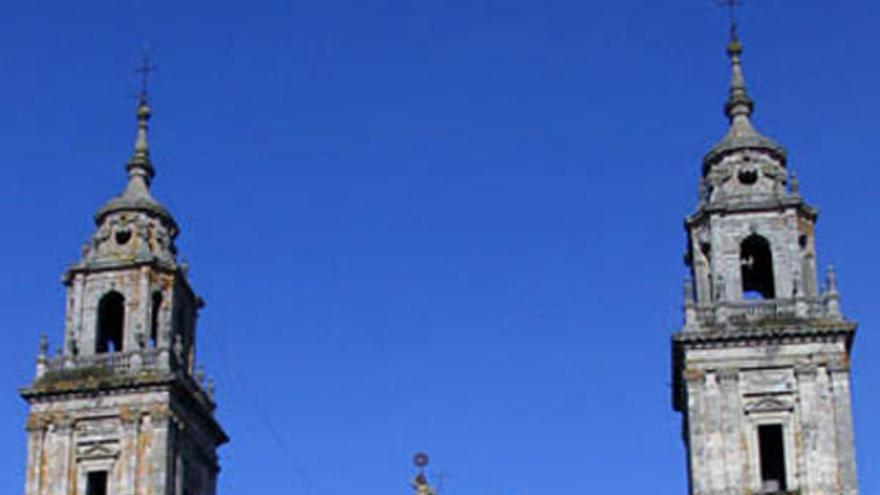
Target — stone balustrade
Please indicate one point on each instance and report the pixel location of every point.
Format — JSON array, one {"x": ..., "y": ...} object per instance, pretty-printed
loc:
[
  {"x": 764, "y": 310},
  {"x": 128, "y": 363},
  {"x": 116, "y": 362}
]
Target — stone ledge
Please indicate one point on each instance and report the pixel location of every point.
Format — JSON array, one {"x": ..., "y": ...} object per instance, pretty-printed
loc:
[
  {"x": 794, "y": 331},
  {"x": 79, "y": 380}
]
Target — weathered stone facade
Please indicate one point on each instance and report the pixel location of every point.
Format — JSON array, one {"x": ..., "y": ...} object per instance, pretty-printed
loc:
[
  {"x": 761, "y": 367},
  {"x": 121, "y": 410}
]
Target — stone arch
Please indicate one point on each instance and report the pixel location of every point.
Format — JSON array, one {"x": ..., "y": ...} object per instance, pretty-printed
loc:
[
  {"x": 756, "y": 264},
  {"x": 111, "y": 323}
]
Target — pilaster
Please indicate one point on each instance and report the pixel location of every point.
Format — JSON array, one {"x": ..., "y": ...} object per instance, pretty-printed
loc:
[
  {"x": 36, "y": 434},
  {"x": 734, "y": 461},
  {"x": 846, "y": 462},
  {"x": 810, "y": 468}
]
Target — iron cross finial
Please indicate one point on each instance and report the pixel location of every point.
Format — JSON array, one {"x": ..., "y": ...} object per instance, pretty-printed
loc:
[
  {"x": 731, "y": 5},
  {"x": 144, "y": 70}
]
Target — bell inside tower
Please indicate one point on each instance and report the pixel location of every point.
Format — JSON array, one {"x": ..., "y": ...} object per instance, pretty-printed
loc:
[{"x": 756, "y": 262}]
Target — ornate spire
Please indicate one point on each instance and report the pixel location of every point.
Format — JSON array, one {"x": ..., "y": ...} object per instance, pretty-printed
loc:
[
  {"x": 140, "y": 168},
  {"x": 738, "y": 108},
  {"x": 795, "y": 184},
  {"x": 738, "y": 103},
  {"x": 831, "y": 280}
]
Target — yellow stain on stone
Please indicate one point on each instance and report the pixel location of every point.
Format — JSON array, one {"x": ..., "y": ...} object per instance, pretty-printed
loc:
[
  {"x": 71, "y": 471},
  {"x": 142, "y": 464},
  {"x": 692, "y": 374}
]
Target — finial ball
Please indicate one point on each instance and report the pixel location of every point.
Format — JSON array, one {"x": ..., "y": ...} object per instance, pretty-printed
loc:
[
  {"x": 734, "y": 47},
  {"x": 420, "y": 460},
  {"x": 143, "y": 111}
]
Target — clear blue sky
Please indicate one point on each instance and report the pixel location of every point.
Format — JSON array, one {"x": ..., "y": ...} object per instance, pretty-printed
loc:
[{"x": 424, "y": 225}]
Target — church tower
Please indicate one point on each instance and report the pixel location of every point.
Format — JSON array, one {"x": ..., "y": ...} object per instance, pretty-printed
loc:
[
  {"x": 120, "y": 410},
  {"x": 761, "y": 367}
]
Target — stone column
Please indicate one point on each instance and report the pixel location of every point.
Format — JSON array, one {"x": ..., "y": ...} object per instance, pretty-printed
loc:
[
  {"x": 142, "y": 464},
  {"x": 54, "y": 455},
  {"x": 846, "y": 459},
  {"x": 88, "y": 316},
  {"x": 159, "y": 463},
  {"x": 140, "y": 308},
  {"x": 714, "y": 435},
  {"x": 826, "y": 449},
  {"x": 75, "y": 315},
  {"x": 808, "y": 459},
  {"x": 696, "y": 434},
  {"x": 731, "y": 418},
  {"x": 36, "y": 433},
  {"x": 64, "y": 454},
  {"x": 732, "y": 274},
  {"x": 130, "y": 422}
]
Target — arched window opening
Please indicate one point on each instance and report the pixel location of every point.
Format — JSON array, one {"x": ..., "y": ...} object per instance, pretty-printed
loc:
[
  {"x": 154, "y": 319},
  {"x": 111, "y": 320},
  {"x": 756, "y": 261}
]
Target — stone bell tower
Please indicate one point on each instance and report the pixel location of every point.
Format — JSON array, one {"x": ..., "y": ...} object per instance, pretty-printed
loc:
[
  {"x": 761, "y": 367},
  {"x": 121, "y": 410}
]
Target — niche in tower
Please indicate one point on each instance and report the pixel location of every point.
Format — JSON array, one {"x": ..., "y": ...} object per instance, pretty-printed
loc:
[
  {"x": 756, "y": 262},
  {"x": 154, "y": 318},
  {"x": 111, "y": 320}
]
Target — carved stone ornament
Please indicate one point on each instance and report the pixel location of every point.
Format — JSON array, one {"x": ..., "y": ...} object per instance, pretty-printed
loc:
[
  {"x": 131, "y": 235},
  {"x": 693, "y": 374},
  {"x": 728, "y": 376},
  {"x": 701, "y": 234},
  {"x": 840, "y": 365},
  {"x": 159, "y": 413},
  {"x": 64, "y": 423},
  {"x": 128, "y": 415},
  {"x": 97, "y": 450},
  {"x": 806, "y": 370},
  {"x": 766, "y": 381},
  {"x": 768, "y": 404},
  {"x": 36, "y": 422},
  {"x": 97, "y": 427}
]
